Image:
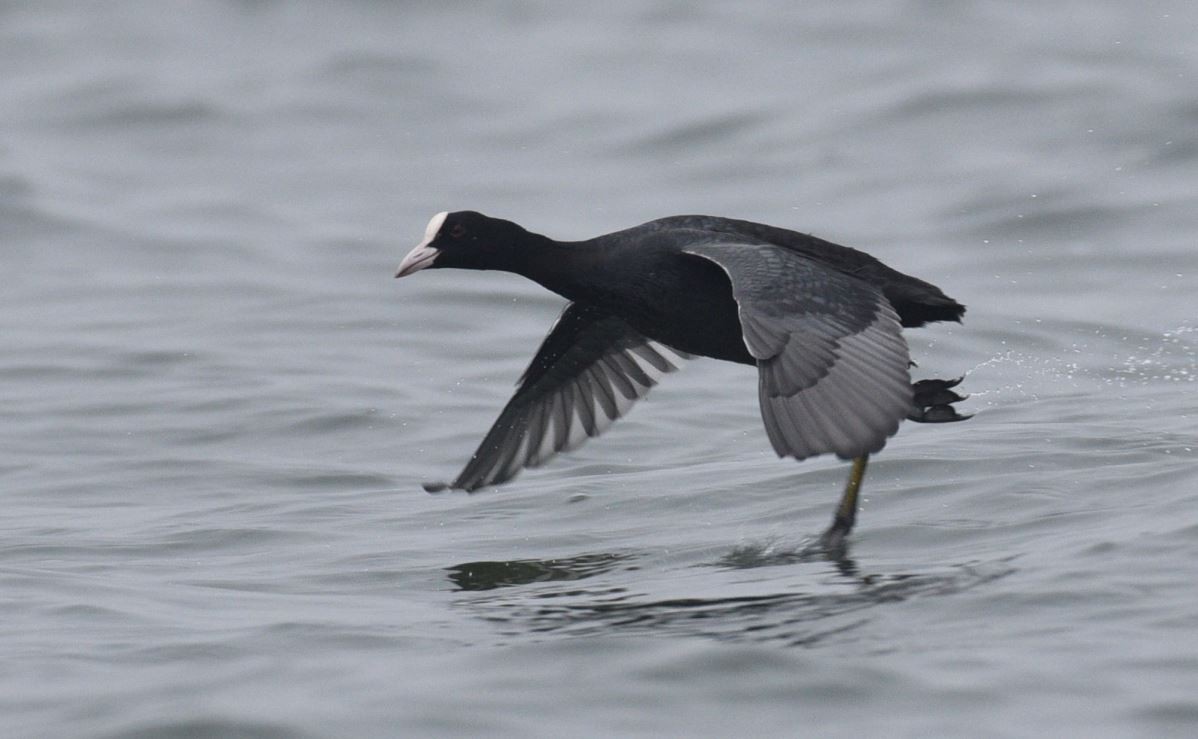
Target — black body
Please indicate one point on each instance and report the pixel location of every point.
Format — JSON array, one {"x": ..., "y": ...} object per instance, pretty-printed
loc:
[{"x": 820, "y": 321}]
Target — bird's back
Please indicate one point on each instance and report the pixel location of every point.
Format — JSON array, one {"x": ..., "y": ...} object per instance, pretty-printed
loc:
[{"x": 917, "y": 302}]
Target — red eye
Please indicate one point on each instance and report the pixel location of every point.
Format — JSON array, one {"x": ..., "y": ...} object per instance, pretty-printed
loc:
[{"x": 457, "y": 231}]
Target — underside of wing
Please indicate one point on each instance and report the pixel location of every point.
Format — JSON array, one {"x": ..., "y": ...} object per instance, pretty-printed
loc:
[
  {"x": 831, "y": 358},
  {"x": 588, "y": 372}
]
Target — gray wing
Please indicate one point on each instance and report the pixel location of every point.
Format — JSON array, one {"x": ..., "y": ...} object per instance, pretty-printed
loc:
[
  {"x": 588, "y": 372},
  {"x": 831, "y": 358}
]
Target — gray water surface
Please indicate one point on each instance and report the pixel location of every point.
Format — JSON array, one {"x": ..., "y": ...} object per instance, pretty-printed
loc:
[{"x": 218, "y": 406}]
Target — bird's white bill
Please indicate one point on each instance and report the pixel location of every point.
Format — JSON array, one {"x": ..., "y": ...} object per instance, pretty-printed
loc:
[
  {"x": 417, "y": 259},
  {"x": 423, "y": 255}
]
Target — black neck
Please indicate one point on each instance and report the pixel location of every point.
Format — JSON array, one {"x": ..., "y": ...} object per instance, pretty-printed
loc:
[{"x": 560, "y": 266}]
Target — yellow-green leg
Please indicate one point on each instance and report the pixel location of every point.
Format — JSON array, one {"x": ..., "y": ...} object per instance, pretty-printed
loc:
[{"x": 846, "y": 512}]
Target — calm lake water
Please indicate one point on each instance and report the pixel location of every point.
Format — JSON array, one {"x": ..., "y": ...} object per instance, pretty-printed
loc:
[{"x": 218, "y": 405}]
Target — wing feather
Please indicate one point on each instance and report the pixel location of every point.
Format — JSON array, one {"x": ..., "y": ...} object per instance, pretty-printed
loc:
[
  {"x": 588, "y": 372},
  {"x": 832, "y": 360}
]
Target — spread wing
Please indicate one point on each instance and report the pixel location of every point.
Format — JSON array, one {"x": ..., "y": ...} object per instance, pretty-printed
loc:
[
  {"x": 589, "y": 371},
  {"x": 831, "y": 358}
]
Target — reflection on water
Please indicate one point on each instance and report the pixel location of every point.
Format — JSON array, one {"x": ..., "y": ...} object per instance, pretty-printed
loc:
[
  {"x": 800, "y": 618},
  {"x": 491, "y": 575}
]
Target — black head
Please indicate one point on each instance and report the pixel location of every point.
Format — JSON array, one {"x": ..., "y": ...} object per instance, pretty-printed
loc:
[{"x": 467, "y": 240}]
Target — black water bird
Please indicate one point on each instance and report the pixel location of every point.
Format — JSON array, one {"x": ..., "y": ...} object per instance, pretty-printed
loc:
[{"x": 821, "y": 322}]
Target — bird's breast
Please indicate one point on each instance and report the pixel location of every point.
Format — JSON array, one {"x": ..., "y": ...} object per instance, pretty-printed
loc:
[{"x": 688, "y": 305}]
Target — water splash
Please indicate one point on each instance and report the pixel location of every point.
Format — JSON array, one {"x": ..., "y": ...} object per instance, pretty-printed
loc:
[{"x": 1109, "y": 356}]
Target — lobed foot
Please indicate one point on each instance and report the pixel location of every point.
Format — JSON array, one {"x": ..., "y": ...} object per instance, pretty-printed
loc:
[{"x": 934, "y": 400}]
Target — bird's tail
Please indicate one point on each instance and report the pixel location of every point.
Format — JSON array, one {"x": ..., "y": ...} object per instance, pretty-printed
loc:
[{"x": 934, "y": 401}]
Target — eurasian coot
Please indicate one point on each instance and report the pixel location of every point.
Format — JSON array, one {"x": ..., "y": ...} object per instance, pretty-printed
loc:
[{"x": 820, "y": 321}]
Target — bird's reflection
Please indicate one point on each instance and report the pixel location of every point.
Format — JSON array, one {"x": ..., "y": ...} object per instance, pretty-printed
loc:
[
  {"x": 801, "y": 614},
  {"x": 491, "y": 575}
]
